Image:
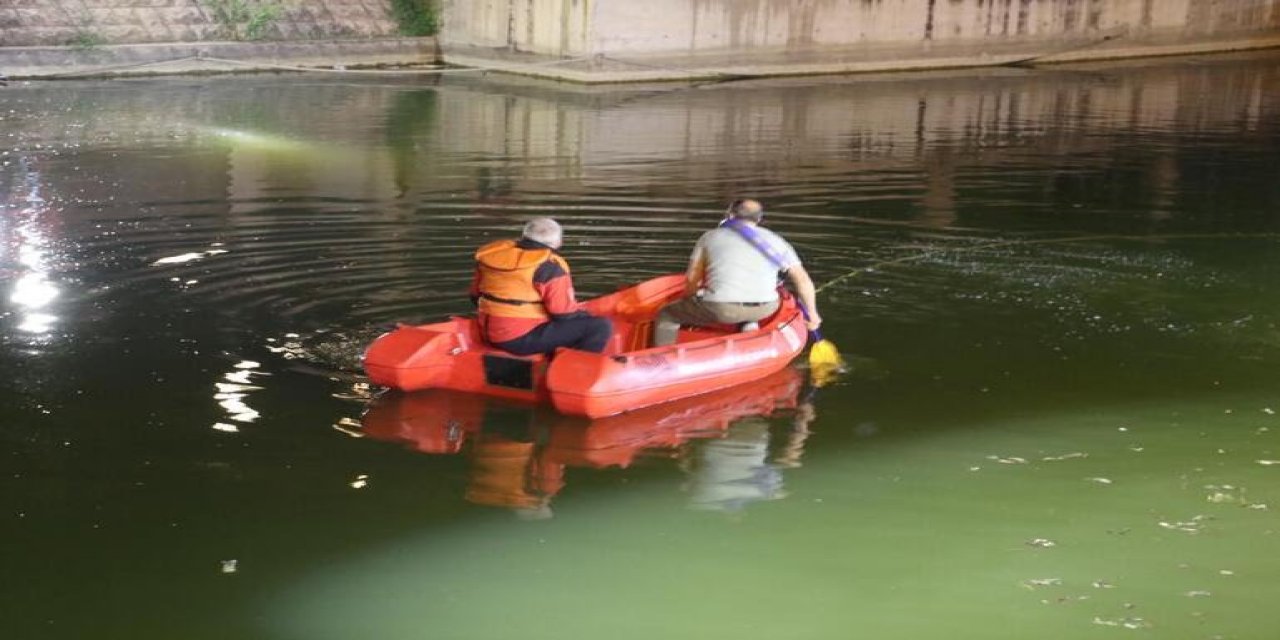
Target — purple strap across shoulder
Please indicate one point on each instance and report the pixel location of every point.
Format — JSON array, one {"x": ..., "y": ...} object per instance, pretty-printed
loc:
[{"x": 750, "y": 234}]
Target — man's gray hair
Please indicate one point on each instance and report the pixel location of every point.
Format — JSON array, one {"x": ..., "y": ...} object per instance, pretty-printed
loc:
[
  {"x": 544, "y": 230},
  {"x": 747, "y": 209}
]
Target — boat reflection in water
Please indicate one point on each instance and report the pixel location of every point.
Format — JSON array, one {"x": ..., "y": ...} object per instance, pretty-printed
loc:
[{"x": 721, "y": 440}]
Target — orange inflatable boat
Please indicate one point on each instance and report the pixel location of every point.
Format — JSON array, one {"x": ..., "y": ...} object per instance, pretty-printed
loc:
[{"x": 629, "y": 374}]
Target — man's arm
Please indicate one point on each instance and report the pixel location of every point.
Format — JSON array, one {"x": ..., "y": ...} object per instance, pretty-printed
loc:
[
  {"x": 804, "y": 290},
  {"x": 556, "y": 290},
  {"x": 694, "y": 274}
]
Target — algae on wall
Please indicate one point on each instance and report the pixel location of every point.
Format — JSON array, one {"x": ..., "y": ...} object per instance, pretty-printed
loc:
[{"x": 76, "y": 23}]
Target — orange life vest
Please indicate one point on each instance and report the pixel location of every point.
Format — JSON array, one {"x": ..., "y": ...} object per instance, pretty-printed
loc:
[{"x": 506, "y": 279}]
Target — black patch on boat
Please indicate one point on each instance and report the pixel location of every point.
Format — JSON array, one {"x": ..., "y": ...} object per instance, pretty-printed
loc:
[{"x": 508, "y": 372}]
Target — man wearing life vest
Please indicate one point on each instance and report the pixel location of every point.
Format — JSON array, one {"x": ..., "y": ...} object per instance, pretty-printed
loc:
[
  {"x": 525, "y": 295},
  {"x": 733, "y": 276}
]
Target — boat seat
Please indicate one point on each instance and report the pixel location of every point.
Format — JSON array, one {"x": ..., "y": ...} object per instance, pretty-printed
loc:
[
  {"x": 690, "y": 333},
  {"x": 695, "y": 333}
]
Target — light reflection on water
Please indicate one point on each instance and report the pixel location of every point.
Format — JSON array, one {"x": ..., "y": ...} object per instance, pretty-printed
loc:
[
  {"x": 233, "y": 392},
  {"x": 33, "y": 290},
  {"x": 1056, "y": 287}
]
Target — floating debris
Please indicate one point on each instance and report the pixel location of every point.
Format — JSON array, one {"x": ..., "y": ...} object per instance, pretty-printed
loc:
[
  {"x": 1192, "y": 526},
  {"x": 1198, "y": 594},
  {"x": 1127, "y": 623},
  {"x": 1067, "y": 456},
  {"x": 360, "y": 482},
  {"x": 1257, "y": 506},
  {"x": 1065, "y": 599},
  {"x": 187, "y": 257},
  {"x": 350, "y": 426},
  {"x": 359, "y": 391},
  {"x": 1099, "y": 480},
  {"x": 1226, "y": 497},
  {"x": 1103, "y": 584},
  {"x": 1267, "y": 463},
  {"x": 1042, "y": 582},
  {"x": 1043, "y": 543},
  {"x": 229, "y": 566},
  {"x": 1226, "y": 572},
  {"x": 229, "y": 428},
  {"x": 1009, "y": 460}
]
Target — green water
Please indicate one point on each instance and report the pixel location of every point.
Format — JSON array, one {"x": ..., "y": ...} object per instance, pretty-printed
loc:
[{"x": 1055, "y": 287}]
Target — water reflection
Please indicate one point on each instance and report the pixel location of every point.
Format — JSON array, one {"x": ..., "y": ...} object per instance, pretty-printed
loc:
[
  {"x": 409, "y": 119},
  {"x": 27, "y": 225},
  {"x": 320, "y": 183},
  {"x": 731, "y": 472},
  {"x": 518, "y": 455},
  {"x": 728, "y": 473},
  {"x": 231, "y": 394}
]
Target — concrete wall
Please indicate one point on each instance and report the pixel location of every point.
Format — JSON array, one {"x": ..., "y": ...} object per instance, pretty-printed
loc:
[
  {"x": 26, "y": 23},
  {"x": 544, "y": 26},
  {"x": 634, "y": 27}
]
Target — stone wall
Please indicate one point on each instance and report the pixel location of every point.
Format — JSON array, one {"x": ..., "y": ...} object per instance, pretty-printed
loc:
[{"x": 27, "y": 23}]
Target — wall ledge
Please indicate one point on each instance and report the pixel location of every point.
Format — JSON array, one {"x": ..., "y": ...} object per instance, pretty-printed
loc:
[
  {"x": 606, "y": 68},
  {"x": 214, "y": 57}
]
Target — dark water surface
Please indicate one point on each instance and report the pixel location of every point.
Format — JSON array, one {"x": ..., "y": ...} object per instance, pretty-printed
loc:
[{"x": 1057, "y": 287}]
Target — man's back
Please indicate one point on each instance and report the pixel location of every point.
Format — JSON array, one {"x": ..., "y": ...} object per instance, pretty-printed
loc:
[{"x": 735, "y": 270}]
